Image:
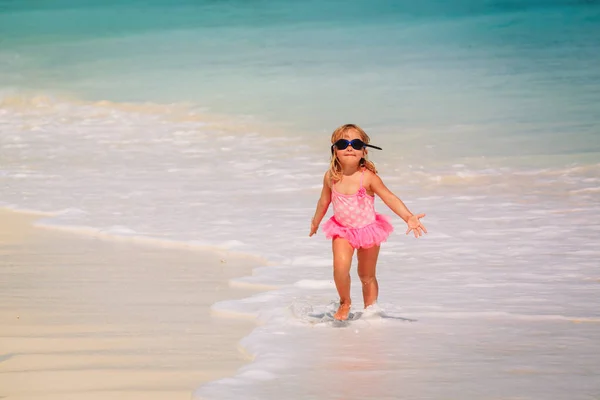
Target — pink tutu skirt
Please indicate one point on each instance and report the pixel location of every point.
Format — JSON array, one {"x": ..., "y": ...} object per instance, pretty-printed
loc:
[{"x": 367, "y": 236}]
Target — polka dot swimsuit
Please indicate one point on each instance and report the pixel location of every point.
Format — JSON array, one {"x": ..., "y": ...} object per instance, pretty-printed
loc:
[
  {"x": 353, "y": 210},
  {"x": 354, "y": 219}
]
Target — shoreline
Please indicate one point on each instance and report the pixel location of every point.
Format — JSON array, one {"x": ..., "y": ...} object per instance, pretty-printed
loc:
[{"x": 84, "y": 318}]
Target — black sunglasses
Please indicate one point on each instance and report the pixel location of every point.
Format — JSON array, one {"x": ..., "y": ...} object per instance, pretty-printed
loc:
[{"x": 356, "y": 144}]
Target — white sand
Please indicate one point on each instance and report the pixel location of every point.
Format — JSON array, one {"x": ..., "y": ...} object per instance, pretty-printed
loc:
[{"x": 84, "y": 318}]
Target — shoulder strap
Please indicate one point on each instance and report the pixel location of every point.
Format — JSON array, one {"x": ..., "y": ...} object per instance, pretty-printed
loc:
[{"x": 361, "y": 178}]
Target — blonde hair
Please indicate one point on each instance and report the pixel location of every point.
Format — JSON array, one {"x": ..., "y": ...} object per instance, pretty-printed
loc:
[{"x": 335, "y": 168}]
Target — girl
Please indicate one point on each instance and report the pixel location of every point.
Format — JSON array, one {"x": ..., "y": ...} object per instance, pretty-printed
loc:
[{"x": 350, "y": 184}]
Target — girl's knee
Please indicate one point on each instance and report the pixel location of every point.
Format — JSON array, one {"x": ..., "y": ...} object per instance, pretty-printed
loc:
[
  {"x": 367, "y": 279},
  {"x": 341, "y": 272}
]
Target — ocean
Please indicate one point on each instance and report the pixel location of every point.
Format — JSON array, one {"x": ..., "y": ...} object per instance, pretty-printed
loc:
[{"x": 207, "y": 123}]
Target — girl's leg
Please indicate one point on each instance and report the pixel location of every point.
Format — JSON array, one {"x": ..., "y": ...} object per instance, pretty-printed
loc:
[
  {"x": 367, "y": 262},
  {"x": 342, "y": 260}
]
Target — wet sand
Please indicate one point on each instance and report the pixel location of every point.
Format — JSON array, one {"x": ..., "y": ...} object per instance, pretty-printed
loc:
[{"x": 88, "y": 318}]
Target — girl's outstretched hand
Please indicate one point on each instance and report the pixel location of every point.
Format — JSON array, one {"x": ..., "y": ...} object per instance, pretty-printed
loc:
[{"x": 415, "y": 225}]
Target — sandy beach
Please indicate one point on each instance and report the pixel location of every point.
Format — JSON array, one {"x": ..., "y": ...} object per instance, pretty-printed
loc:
[{"x": 84, "y": 318}]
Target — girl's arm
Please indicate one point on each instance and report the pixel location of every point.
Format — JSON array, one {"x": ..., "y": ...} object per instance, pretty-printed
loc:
[
  {"x": 390, "y": 199},
  {"x": 376, "y": 185},
  {"x": 322, "y": 205}
]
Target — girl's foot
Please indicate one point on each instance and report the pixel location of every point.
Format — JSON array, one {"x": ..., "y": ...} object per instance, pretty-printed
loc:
[{"x": 342, "y": 312}]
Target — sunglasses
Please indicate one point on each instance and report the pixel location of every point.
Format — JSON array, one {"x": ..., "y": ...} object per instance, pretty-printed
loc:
[{"x": 356, "y": 144}]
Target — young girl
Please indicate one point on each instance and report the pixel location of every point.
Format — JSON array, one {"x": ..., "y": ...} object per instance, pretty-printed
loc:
[{"x": 350, "y": 184}]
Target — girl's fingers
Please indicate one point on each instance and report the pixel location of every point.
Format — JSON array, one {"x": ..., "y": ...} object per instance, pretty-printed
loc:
[{"x": 417, "y": 231}]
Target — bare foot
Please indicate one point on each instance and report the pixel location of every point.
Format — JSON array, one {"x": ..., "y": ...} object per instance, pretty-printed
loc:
[{"x": 342, "y": 312}]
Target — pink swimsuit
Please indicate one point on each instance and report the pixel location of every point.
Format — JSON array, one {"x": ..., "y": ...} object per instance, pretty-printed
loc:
[{"x": 354, "y": 219}]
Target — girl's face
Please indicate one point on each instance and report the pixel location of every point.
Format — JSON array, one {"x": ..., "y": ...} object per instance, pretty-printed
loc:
[{"x": 349, "y": 155}]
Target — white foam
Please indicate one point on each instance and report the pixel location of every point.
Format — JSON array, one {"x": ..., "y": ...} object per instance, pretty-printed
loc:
[{"x": 314, "y": 284}]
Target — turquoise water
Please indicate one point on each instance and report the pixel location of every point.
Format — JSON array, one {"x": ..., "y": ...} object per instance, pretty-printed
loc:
[{"x": 493, "y": 78}]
